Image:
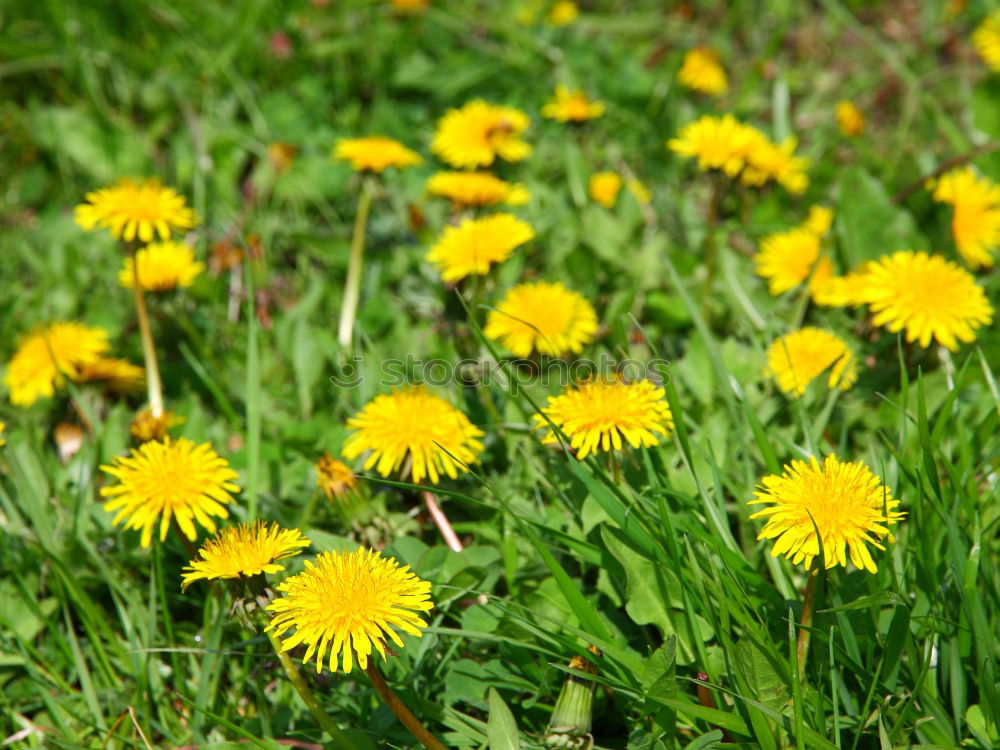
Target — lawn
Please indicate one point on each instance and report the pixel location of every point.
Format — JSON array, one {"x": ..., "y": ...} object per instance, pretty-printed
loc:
[{"x": 499, "y": 374}]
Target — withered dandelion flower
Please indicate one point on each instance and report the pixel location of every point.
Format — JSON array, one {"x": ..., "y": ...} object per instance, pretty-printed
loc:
[
  {"x": 334, "y": 477},
  {"x": 48, "y": 356},
  {"x": 479, "y": 133},
  {"x": 135, "y": 210},
  {"x": 243, "y": 551},
  {"x": 799, "y": 357},
  {"x": 596, "y": 415},
  {"x": 162, "y": 266},
  {"x": 117, "y": 375},
  {"x": 145, "y": 427},
  {"x": 348, "y": 603},
  {"x": 168, "y": 480},
  {"x": 413, "y": 424},
  {"x": 543, "y": 317},
  {"x": 375, "y": 153},
  {"x": 844, "y": 501},
  {"x": 476, "y": 244}
]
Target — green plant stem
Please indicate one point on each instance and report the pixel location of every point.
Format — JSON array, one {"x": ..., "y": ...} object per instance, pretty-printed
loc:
[
  {"x": 154, "y": 386},
  {"x": 404, "y": 714},
  {"x": 805, "y": 622},
  {"x": 352, "y": 286},
  {"x": 340, "y": 739}
]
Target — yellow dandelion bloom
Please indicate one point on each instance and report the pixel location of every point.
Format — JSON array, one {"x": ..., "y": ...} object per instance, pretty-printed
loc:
[
  {"x": 349, "y": 602},
  {"x": 716, "y": 142},
  {"x": 596, "y": 415},
  {"x": 849, "y": 118},
  {"x": 819, "y": 221},
  {"x": 145, "y": 427},
  {"x": 786, "y": 259},
  {"x": 135, "y": 210},
  {"x": 248, "y": 549},
  {"x": 476, "y": 189},
  {"x": 562, "y": 12},
  {"x": 117, "y": 374},
  {"x": 986, "y": 40},
  {"x": 168, "y": 480},
  {"x": 3, "y": 427},
  {"x": 476, "y": 244},
  {"x": 771, "y": 161},
  {"x": 375, "y": 153},
  {"x": 572, "y": 106},
  {"x": 975, "y": 225},
  {"x": 604, "y": 187},
  {"x": 702, "y": 71},
  {"x": 799, "y": 357},
  {"x": 48, "y": 355},
  {"x": 478, "y": 133},
  {"x": 162, "y": 266},
  {"x": 543, "y": 317},
  {"x": 413, "y": 424},
  {"x": 928, "y": 296},
  {"x": 334, "y": 477},
  {"x": 639, "y": 191},
  {"x": 844, "y": 501}
]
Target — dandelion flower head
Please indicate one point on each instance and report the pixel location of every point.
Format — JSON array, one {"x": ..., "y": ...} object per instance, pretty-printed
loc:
[
  {"x": 145, "y": 427},
  {"x": 117, "y": 375},
  {"x": 596, "y": 415},
  {"x": 374, "y": 153},
  {"x": 702, "y": 71},
  {"x": 786, "y": 259},
  {"x": 544, "y": 317},
  {"x": 975, "y": 223},
  {"x": 478, "y": 133},
  {"x": 572, "y": 106},
  {"x": 172, "y": 479},
  {"x": 797, "y": 358},
  {"x": 334, "y": 477},
  {"x": 413, "y": 424},
  {"x": 47, "y": 356},
  {"x": 844, "y": 501},
  {"x": 245, "y": 550},
  {"x": 477, "y": 189},
  {"x": 986, "y": 40},
  {"x": 135, "y": 210},
  {"x": 562, "y": 12},
  {"x": 604, "y": 188},
  {"x": 849, "y": 118},
  {"x": 349, "y": 603},
  {"x": 476, "y": 244},
  {"x": 162, "y": 266}
]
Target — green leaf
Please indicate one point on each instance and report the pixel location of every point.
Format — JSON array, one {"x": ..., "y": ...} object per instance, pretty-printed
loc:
[{"x": 501, "y": 729}]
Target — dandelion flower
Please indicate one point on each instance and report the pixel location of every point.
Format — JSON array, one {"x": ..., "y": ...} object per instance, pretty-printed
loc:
[
  {"x": 413, "y": 424},
  {"x": 478, "y": 133},
  {"x": 476, "y": 189},
  {"x": 702, "y": 71},
  {"x": 797, "y": 358},
  {"x": 786, "y": 259},
  {"x": 169, "y": 479},
  {"x": 135, "y": 210},
  {"x": 47, "y": 356},
  {"x": 349, "y": 602},
  {"x": 716, "y": 142},
  {"x": 844, "y": 501},
  {"x": 562, "y": 12},
  {"x": 986, "y": 40},
  {"x": 819, "y": 221},
  {"x": 334, "y": 477},
  {"x": 145, "y": 427},
  {"x": 543, "y": 317},
  {"x": 3, "y": 427},
  {"x": 572, "y": 106},
  {"x": 248, "y": 549},
  {"x": 772, "y": 161},
  {"x": 162, "y": 266},
  {"x": 975, "y": 224},
  {"x": 849, "y": 119},
  {"x": 596, "y": 415},
  {"x": 604, "y": 188},
  {"x": 639, "y": 191},
  {"x": 927, "y": 295},
  {"x": 476, "y": 244},
  {"x": 375, "y": 153},
  {"x": 118, "y": 375}
]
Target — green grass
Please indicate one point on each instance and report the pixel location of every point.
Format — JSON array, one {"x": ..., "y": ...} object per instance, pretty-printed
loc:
[{"x": 659, "y": 568}]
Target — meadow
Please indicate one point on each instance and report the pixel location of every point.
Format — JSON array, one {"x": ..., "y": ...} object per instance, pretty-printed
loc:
[{"x": 499, "y": 374}]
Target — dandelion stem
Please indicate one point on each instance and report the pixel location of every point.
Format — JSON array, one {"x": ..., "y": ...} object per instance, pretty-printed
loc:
[
  {"x": 404, "y": 714},
  {"x": 154, "y": 386},
  {"x": 805, "y": 622},
  {"x": 442, "y": 522},
  {"x": 340, "y": 739},
  {"x": 352, "y": 286}
]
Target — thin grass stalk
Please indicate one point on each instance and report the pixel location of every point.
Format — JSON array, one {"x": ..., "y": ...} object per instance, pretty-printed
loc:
[
  {"x": 352, "y": 286},
  {"x": 154, "y": 386}
]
